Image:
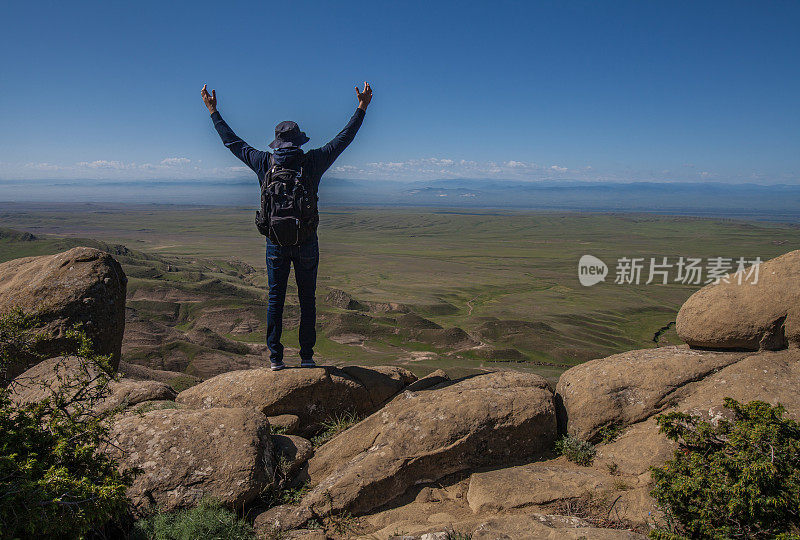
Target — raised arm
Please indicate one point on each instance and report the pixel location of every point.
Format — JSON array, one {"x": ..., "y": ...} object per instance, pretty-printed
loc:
[
  {"x": 332, "y": 150},
  {"x": 250, "y": 156}
]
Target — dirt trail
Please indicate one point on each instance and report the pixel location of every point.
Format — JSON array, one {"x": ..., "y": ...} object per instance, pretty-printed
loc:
[{"x": 470, "y": 306}]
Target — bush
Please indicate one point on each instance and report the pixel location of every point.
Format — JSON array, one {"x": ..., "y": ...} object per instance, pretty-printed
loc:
[
  {"x": 736, "y": 479},
  {"x": 208, "y": 520},
  {"x": 576, "y": 450},
  {"x": 53, "y": 480}
]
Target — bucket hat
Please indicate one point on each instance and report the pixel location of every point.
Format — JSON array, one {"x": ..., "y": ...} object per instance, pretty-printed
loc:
[{"x": 288, "y": 134}]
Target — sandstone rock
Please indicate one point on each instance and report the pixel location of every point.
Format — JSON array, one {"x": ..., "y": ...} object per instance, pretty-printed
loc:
[
  {"x": 534, "y": 484},
  {"x": 631, "y": 386},
  {"x": 429, "y": 381},
  {"x": 550, "y": 484},
  {"x": 305, "y": 534},
  {"x": 484, "y": 420},
  {"x": 288, "y": 423},
  {"x": 154, "y": 405},
  {"x": 764, "y": 315},
  {"x": 313, "y": 395},
  {"x": 82, "y": 285},
  {"x": 771, "y": 376},
  {"x": 38, "y": 383},
  {"x": 382, "y": 382},
  {"x": 296, "y": 450},
  {"x": 532, "y": 526},
  {"x": 767, "y": 376},
  {"x": 281, "y": 518},
  {"x": 640, "y": 447},
  {"x": 185, "y": 455},
  {"x": 127, "y": 392}
]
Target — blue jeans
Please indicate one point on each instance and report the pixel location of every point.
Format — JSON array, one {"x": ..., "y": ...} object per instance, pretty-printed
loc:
[{"x": 305, "y": 259}]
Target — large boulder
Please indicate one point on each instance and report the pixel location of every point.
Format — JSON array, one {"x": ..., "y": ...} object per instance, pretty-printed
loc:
[
  {"x": 625, "y": 388},
  {"x": 41, "y": 380},
  {"x": 185, "y": 455},
  {"x": 80, "y": 286},
  {"x": 535, "y": 484},
  {"x": 314, "y": 395},
  {"x": 556, "y": 484},
  {"x": 491, "y": 419},
  {"x": 771, "y": 376},
  {"x": 764, "y": 315}
]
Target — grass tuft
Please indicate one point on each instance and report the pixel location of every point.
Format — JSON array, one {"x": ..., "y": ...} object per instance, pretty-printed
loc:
[{"x": 335, "y": 425}]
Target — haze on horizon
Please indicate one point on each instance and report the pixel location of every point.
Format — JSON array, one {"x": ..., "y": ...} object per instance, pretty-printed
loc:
[{"x": 600, "y": 92}]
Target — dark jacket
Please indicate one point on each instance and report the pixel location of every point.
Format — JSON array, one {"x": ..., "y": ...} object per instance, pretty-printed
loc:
[{"x": 315, "y": 162}]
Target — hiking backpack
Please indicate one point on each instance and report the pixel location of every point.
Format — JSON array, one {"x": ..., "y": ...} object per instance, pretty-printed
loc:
[{"x": 288, "y": 214}]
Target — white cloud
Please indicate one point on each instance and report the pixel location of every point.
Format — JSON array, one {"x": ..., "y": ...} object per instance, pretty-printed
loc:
[
  {"x": 557, "y": 168},
  {"x": 103, "y": 164},
  {"x": 175, "y": 161},
  {"x": 515, "y": 164},
  {"x": 43, "y": 166}
]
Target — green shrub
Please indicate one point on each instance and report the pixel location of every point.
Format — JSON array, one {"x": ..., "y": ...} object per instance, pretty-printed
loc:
[
  {"x": 736, "y": 479},
  {"x": 18, "y": 343},
  {"x": 209, "y": 520},
  {"x": 609, "y": 434},
  {"x": 576, "y": 450},
  {"x": 53, "y": 481}
]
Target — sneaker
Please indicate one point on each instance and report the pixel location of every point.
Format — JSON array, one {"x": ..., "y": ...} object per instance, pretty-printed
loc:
[
  {"x": 277, "y": 366},
  {"x": 307, "y": 363}
]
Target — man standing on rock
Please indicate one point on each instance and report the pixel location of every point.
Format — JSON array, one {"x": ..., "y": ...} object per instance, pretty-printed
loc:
[{"x": 289, "y": 180}]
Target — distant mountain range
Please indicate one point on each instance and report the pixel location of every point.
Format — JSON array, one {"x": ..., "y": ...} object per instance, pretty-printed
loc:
[
  {"x": 747, "y": 201},
  {"x": 779, "y": 202}
]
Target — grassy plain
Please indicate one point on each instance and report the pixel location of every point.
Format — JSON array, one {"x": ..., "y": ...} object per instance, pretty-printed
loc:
[{"x": 507, "y": 279}]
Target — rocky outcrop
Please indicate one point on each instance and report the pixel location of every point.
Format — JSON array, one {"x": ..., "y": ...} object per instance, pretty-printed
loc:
[
  {"x": 185, "y": 455},
  {"x": 553, "y": 483},
  {"x": 535, "y": 484},
  {"x": 40, "y": 381},
  {"x": 764, "y": 315},
  {"x": 286, "y": 423},
  {"x": 771, "y": 376},
  {"x": 342, "y": 300},
  {"x": 490, "y": 419},
  {"x": 313, "y": 395},
  {"x": 294, "y": 451},
  {"x": 625, "y": 388},
  {"x": 81, "y": 286}
]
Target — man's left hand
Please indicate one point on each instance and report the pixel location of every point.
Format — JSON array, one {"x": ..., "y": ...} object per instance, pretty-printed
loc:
[{"x": 364, "y": 97}]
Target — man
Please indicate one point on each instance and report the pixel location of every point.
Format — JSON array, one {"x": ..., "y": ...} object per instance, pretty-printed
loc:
[{"x": 304, "y": 257}]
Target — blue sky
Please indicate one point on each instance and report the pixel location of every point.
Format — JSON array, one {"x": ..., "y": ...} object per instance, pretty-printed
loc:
[{"x": 639, "y": 90}]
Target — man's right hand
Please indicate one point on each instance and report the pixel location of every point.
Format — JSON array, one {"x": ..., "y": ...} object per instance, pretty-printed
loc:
[
  {"x": 364, "y": 97},
  {"x": 209, "y": 99}
]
